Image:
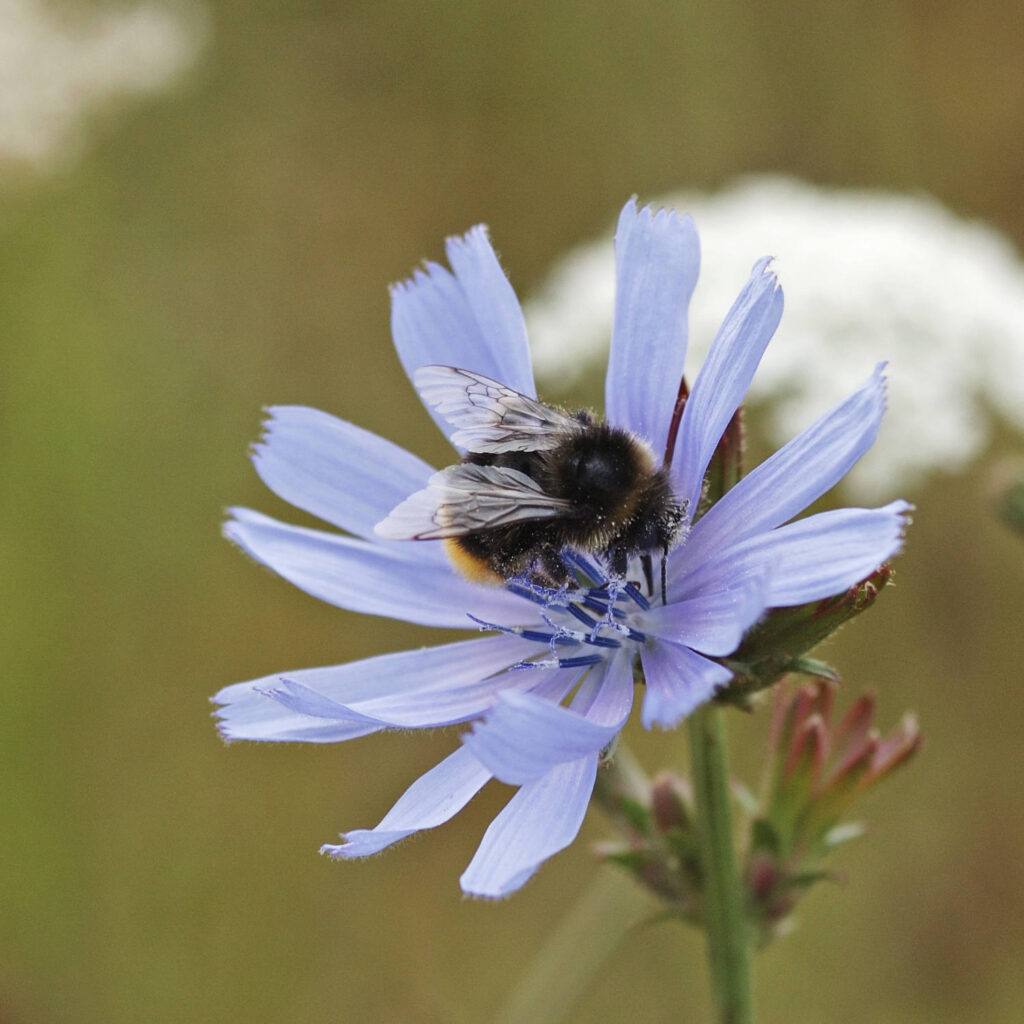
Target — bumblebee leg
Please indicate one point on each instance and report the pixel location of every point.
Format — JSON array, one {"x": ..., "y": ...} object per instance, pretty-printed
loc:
[
  {"x": 550, "y": 569},
  {"x": 619, "y": 562},
  {"x": 645, "y": 561}
]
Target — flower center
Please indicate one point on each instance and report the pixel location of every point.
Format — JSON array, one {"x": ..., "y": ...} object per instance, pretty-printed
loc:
[{"x": 583, "y": 621}]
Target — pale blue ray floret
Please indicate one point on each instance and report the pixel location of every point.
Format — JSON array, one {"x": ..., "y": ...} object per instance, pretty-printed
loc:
[{"x": 546, "y": 693}]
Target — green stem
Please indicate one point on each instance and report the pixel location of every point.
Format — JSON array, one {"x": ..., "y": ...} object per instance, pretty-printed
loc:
[{"x": 728, "y": 938}]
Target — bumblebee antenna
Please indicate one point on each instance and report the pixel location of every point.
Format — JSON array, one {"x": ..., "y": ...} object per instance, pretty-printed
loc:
[{"x": 664, "y": 574}]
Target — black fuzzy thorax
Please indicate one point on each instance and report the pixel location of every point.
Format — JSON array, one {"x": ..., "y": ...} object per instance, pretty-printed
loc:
[{"x": 620, "y": 504}]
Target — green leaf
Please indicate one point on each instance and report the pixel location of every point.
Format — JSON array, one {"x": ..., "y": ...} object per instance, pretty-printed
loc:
[{"x": 816, "y": 668}]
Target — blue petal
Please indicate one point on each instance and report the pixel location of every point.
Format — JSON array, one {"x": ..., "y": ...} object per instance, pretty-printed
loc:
[
  {"x": 344, "y": 475},
  {"x": 524, "y": 737},
  {"x": 495, "y": 308},
  {"x": 470, "y": 319},
  {"x": 450, "y": 701},
  {"x": 606, "y": 695},
  {"x": 824, "y": 554},
  {"x": 542, "y": 818},
  {"x": 361, "y": 689},
  {"x": 248, "y": 713},
  {"x": 379, "y": 579},
  {"x": 430, "y": 801},
  {"x": 678, "y": 681},
  {"x": 715, "y": 611},
  {"x": 657, "y": 258},
  {"x": 304, "y": 701},
  {"x": 724, "y": 378},
  {"x": 791, "y": 479}
]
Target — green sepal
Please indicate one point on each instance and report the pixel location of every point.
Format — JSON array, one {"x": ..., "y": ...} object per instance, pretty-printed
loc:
[
  {"x": 684, "y": 847},
  {"x": 778, "y": 644},
  {"x": 816, "y": 668},
  {"x": 634, "y": 861},
  {"x": 656, "y": 872}
]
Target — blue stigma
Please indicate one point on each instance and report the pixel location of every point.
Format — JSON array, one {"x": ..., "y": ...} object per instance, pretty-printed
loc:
[{"x": 599, "y": 602}]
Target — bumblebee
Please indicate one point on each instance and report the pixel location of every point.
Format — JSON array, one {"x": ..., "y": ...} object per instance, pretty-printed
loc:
[{"x": 534, "y": 481}]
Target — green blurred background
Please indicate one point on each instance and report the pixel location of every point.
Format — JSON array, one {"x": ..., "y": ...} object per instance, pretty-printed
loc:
[{"x": 228, "y": 245}]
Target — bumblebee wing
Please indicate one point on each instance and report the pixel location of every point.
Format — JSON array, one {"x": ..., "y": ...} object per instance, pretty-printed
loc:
[
  {"x": 467, "y": 499},
  {"x": 491, "y": 417}
]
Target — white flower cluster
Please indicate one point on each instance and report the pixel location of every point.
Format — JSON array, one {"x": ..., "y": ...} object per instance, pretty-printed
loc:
[
  {"x": 60, "y": 63},
  {"x": 868, "y": 277}
]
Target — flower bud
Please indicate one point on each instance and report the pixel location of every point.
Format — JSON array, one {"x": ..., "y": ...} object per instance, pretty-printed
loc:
[
  {"x": 779, "y": 643},
  {"x": 817, "y": 768}
]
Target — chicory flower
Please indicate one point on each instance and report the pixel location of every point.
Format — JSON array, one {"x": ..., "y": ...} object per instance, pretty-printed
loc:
[{"x": 546, "y": 694}]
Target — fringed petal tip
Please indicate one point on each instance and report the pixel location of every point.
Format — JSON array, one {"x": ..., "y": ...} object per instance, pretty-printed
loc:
[
  {"x": 275, "y": 417},
  {"x": 477, "y": 236},
  {"x": 904, "y": 512},
  {"x": 269, "y": 415},
  {"x": 899, "y": 515},
  {"x": 231, "y": 731},
  {"x": 230, "y": 528},
  {"x": 424, "y": 274},
  {"x": 468, "y": 317},
  {"x": 655, "y": 212},
  {"x": 766, "y": 288},
  {"x": 222, "y": 727}
]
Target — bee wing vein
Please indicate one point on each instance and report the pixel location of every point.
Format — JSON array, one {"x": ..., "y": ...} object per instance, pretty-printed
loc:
[
  {"x": 491, "y": 418},
  {"x": 468, "y": 498}
]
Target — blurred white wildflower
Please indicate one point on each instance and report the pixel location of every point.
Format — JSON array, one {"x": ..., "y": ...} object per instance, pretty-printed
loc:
[
  {"x": 868, "y": 276},
  {"x": 59, "y": 63}
]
